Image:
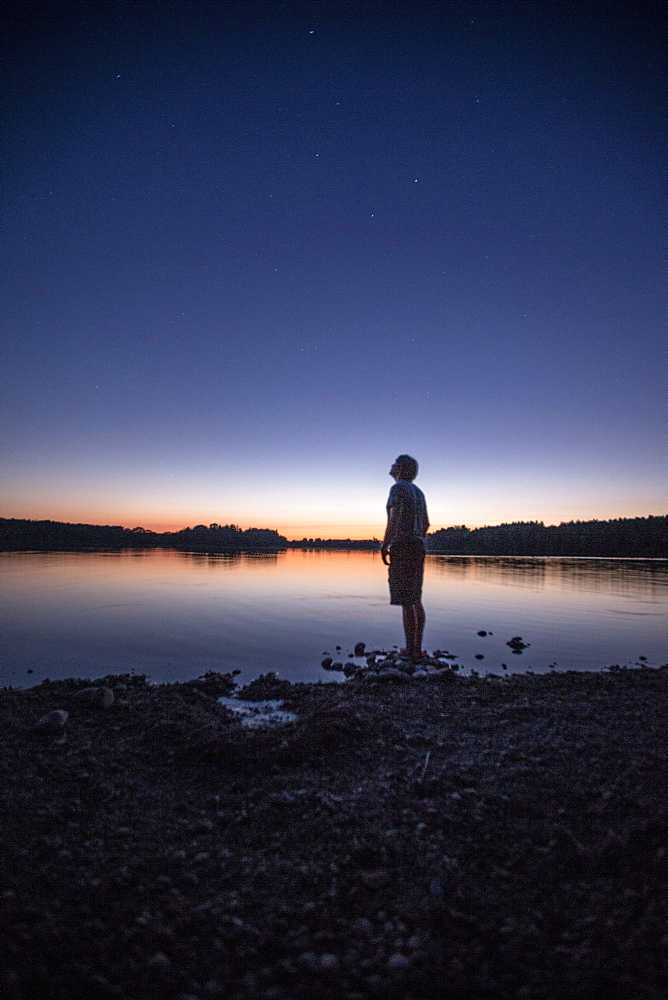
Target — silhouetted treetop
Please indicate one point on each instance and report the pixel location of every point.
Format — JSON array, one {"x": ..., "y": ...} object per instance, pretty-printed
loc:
[{"x": 633, "y": 537}]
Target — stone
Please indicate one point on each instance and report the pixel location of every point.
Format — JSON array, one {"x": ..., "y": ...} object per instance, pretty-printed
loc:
[
  {"x": 392, "y": 674},
  {"x": 398, "y": 962},
  {"x": 362, "y": 926},
  {"x": 159, "y": 961},
  {"x": 52, "y": 722},
  {"x": 100, "y": 697},
  {"x": 360, "y": 649},
  {"x": 328, "y": 962},
  {"x": 309, "y": 960}
]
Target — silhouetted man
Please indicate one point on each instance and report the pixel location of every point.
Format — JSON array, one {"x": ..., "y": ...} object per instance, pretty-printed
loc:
[{"x": 407, "y": 524}]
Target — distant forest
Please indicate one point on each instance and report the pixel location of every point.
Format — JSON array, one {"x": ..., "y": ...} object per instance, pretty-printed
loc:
[
  {"x": 44, "y": 536},
  {"x": 639, "y": 537},
  {"x": 634, "y": 537},
  {"x": 335, "y": 543}
]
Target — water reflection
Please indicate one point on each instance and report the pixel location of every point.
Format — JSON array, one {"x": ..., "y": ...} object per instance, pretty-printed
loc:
[
  {"x": 631, "y": 576},
  {"x": 174, "y": 615},
  {"x": 231, "y": 559}
]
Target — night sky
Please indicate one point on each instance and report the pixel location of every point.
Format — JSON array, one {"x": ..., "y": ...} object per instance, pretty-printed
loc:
[{"x": 253, "y": 251}]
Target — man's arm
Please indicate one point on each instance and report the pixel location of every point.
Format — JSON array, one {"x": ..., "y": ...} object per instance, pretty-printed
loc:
[{"x": 390, "y": 532}]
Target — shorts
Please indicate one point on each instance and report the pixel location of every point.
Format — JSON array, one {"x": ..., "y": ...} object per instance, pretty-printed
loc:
[{"x": 406, "y": 571}]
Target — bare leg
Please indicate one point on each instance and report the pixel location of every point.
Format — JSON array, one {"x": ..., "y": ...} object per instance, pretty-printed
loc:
[{"x": 414, "y": 619}]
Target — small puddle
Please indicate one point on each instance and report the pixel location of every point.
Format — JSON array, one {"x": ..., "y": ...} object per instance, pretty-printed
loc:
[{"x": 259, "y": 714}]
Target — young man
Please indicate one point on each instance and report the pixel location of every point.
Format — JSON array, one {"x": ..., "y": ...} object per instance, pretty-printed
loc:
[{"x": 407, "y": 524}]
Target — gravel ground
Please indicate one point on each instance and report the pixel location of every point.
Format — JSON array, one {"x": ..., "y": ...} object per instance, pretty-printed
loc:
[{"x": 437, "y": 837}]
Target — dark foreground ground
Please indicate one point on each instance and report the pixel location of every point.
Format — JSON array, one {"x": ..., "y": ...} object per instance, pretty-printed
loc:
[{"x": 439, "y": 838}]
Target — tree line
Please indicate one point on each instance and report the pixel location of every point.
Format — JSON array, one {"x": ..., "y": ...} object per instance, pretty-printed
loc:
[
  {"x": 334, "y": 543},
  {"x": 633, "y": 537},
  {"x": 58, "y": 536},
  {"x": 223, "y": 538}
]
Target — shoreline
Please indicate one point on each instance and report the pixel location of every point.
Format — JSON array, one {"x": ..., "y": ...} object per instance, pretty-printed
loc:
[{"x": 473, "y": 837}]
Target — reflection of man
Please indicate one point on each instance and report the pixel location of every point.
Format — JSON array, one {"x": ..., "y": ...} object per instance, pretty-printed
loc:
[{"x": 407, "y": 524}]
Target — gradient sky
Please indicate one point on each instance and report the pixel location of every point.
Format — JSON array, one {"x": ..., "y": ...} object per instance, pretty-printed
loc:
[{"x": 253, "y": 251}]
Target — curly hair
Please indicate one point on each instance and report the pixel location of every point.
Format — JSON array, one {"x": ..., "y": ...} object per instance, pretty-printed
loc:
[{"x": 406, "y": 466}]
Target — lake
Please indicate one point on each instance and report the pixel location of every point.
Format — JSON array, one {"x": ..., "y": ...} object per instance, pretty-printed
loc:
[{"x": 174, "y": 615}]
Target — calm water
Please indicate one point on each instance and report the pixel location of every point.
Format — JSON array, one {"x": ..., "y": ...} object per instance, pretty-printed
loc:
[{"x": 174, "y": 615}]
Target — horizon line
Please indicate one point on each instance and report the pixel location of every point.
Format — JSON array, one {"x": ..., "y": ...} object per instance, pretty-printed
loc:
[{"x": 305, "y": 537}]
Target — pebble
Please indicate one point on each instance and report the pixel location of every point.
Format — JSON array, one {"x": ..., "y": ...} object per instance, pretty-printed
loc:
[
  {"x": 362, "y": 926},
  {"x": 100, "y": 697},
  {"x": 159, "y": 961},
  {"x": 203, "y": 826},
  {"x": 328, "y": 962},
  {"x": 390, "y": 674},
  {"x": 53, "y": 721},
  {"x": 398, "y": 962},
  {"x": 309, "y": 960}
]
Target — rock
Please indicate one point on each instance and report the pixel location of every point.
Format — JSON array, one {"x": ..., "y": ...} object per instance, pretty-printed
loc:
[
  {"x": 52, "y": 722},
  {"x": 329, "y": 962},
  {"x": 309, "y": 960},
  {"x": 360, "y": 649},
  {"x": 204, "y": 826},
  {"x": 398, "y": 962},
  {"x": 100, "y": 697},
  {"x": 326, "y": 664},
  {"x": 391, "y": 674},
  {"x": 362, "y": 926},
  {"x": 517, "y": 644},
  {"x": 159, "y": 961}
]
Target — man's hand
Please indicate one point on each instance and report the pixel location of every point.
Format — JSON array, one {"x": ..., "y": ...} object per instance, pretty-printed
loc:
[{"x": 390, "y": 533}]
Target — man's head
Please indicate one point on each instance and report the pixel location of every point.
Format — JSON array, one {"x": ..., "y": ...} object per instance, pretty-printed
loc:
[{"x": 404, "y": 467}]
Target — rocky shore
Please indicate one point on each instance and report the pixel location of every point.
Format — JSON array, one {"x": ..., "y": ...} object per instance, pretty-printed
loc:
[{"x": 415, "y": 837}]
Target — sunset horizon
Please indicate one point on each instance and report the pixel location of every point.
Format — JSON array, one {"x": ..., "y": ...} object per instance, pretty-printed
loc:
[
  {"x": 333, "y": 526},
  {"x": 254, "y": 252},
  {"x": 293, "y": 533}
]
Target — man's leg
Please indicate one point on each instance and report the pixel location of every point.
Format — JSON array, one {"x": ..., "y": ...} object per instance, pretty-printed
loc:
[{"x": 414, "y": 619}]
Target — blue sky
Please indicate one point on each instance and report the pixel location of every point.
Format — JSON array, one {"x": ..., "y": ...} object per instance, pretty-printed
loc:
[{"x": 254, "y": 251}]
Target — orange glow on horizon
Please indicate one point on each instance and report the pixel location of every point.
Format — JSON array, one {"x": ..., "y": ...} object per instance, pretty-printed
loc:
[
  {"x": 295, "y": 531},
  {"x": 291, "y": 532}
]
